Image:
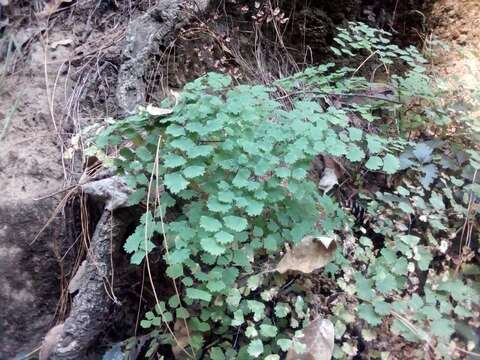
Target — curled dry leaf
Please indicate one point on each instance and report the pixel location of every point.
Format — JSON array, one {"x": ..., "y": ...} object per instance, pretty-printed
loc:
[
  {"x": 318, "y": 336},
  {"x": 328, "y": 180},
  {"x": 312, "y": 253},
  {"x": 176, "y": 95},
  {"x": 156, "y": 111}
]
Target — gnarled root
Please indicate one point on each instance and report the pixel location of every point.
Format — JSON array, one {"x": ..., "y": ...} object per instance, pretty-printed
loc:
[
  {"x": 93, "y": 303},
  {"x": 156, "y": 28}
]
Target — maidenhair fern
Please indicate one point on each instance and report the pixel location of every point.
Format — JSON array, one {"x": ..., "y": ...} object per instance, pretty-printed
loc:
[{"x": 233, "y": 160}]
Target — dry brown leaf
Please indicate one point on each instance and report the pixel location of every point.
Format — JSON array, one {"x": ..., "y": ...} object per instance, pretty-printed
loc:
[
  {"x": 156, "y": 111},
  {"x": 318, "y": 336},
  {"x": 181, "y": 335},
  {"x": 312, "y": 253},
  {"x": 52, "y": 6}
]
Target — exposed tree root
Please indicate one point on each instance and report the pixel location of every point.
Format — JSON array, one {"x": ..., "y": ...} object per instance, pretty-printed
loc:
[
  {"x": 93, "y": 303},
  {"x": 143, "y": 34}
]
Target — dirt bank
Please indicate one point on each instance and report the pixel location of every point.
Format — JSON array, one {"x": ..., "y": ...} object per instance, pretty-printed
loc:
[
  {"x": 456, "y": 24},
  {"x": 30, "y": 168}
]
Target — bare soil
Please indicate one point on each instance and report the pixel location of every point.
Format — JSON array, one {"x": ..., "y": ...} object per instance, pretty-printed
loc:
[
  {"x": 30, "y": 168},
  {"x": 456, "y": 23}
]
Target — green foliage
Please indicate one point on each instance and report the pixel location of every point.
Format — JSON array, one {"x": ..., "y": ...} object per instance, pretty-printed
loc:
[
  {"x": 389, "y": 285},
  {"x": 234, "y": 160},
  {"x": 359, "y": 37}
]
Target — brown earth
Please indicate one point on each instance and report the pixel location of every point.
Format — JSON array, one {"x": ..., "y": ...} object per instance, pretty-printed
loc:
[
  {"x": 455, "y": 31},
  {"x": 30, "y": 168},
  {"x": 456, "y": 23}
]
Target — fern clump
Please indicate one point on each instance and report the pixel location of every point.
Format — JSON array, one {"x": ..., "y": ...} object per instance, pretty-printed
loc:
[{"x": 233, "y": 161}]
